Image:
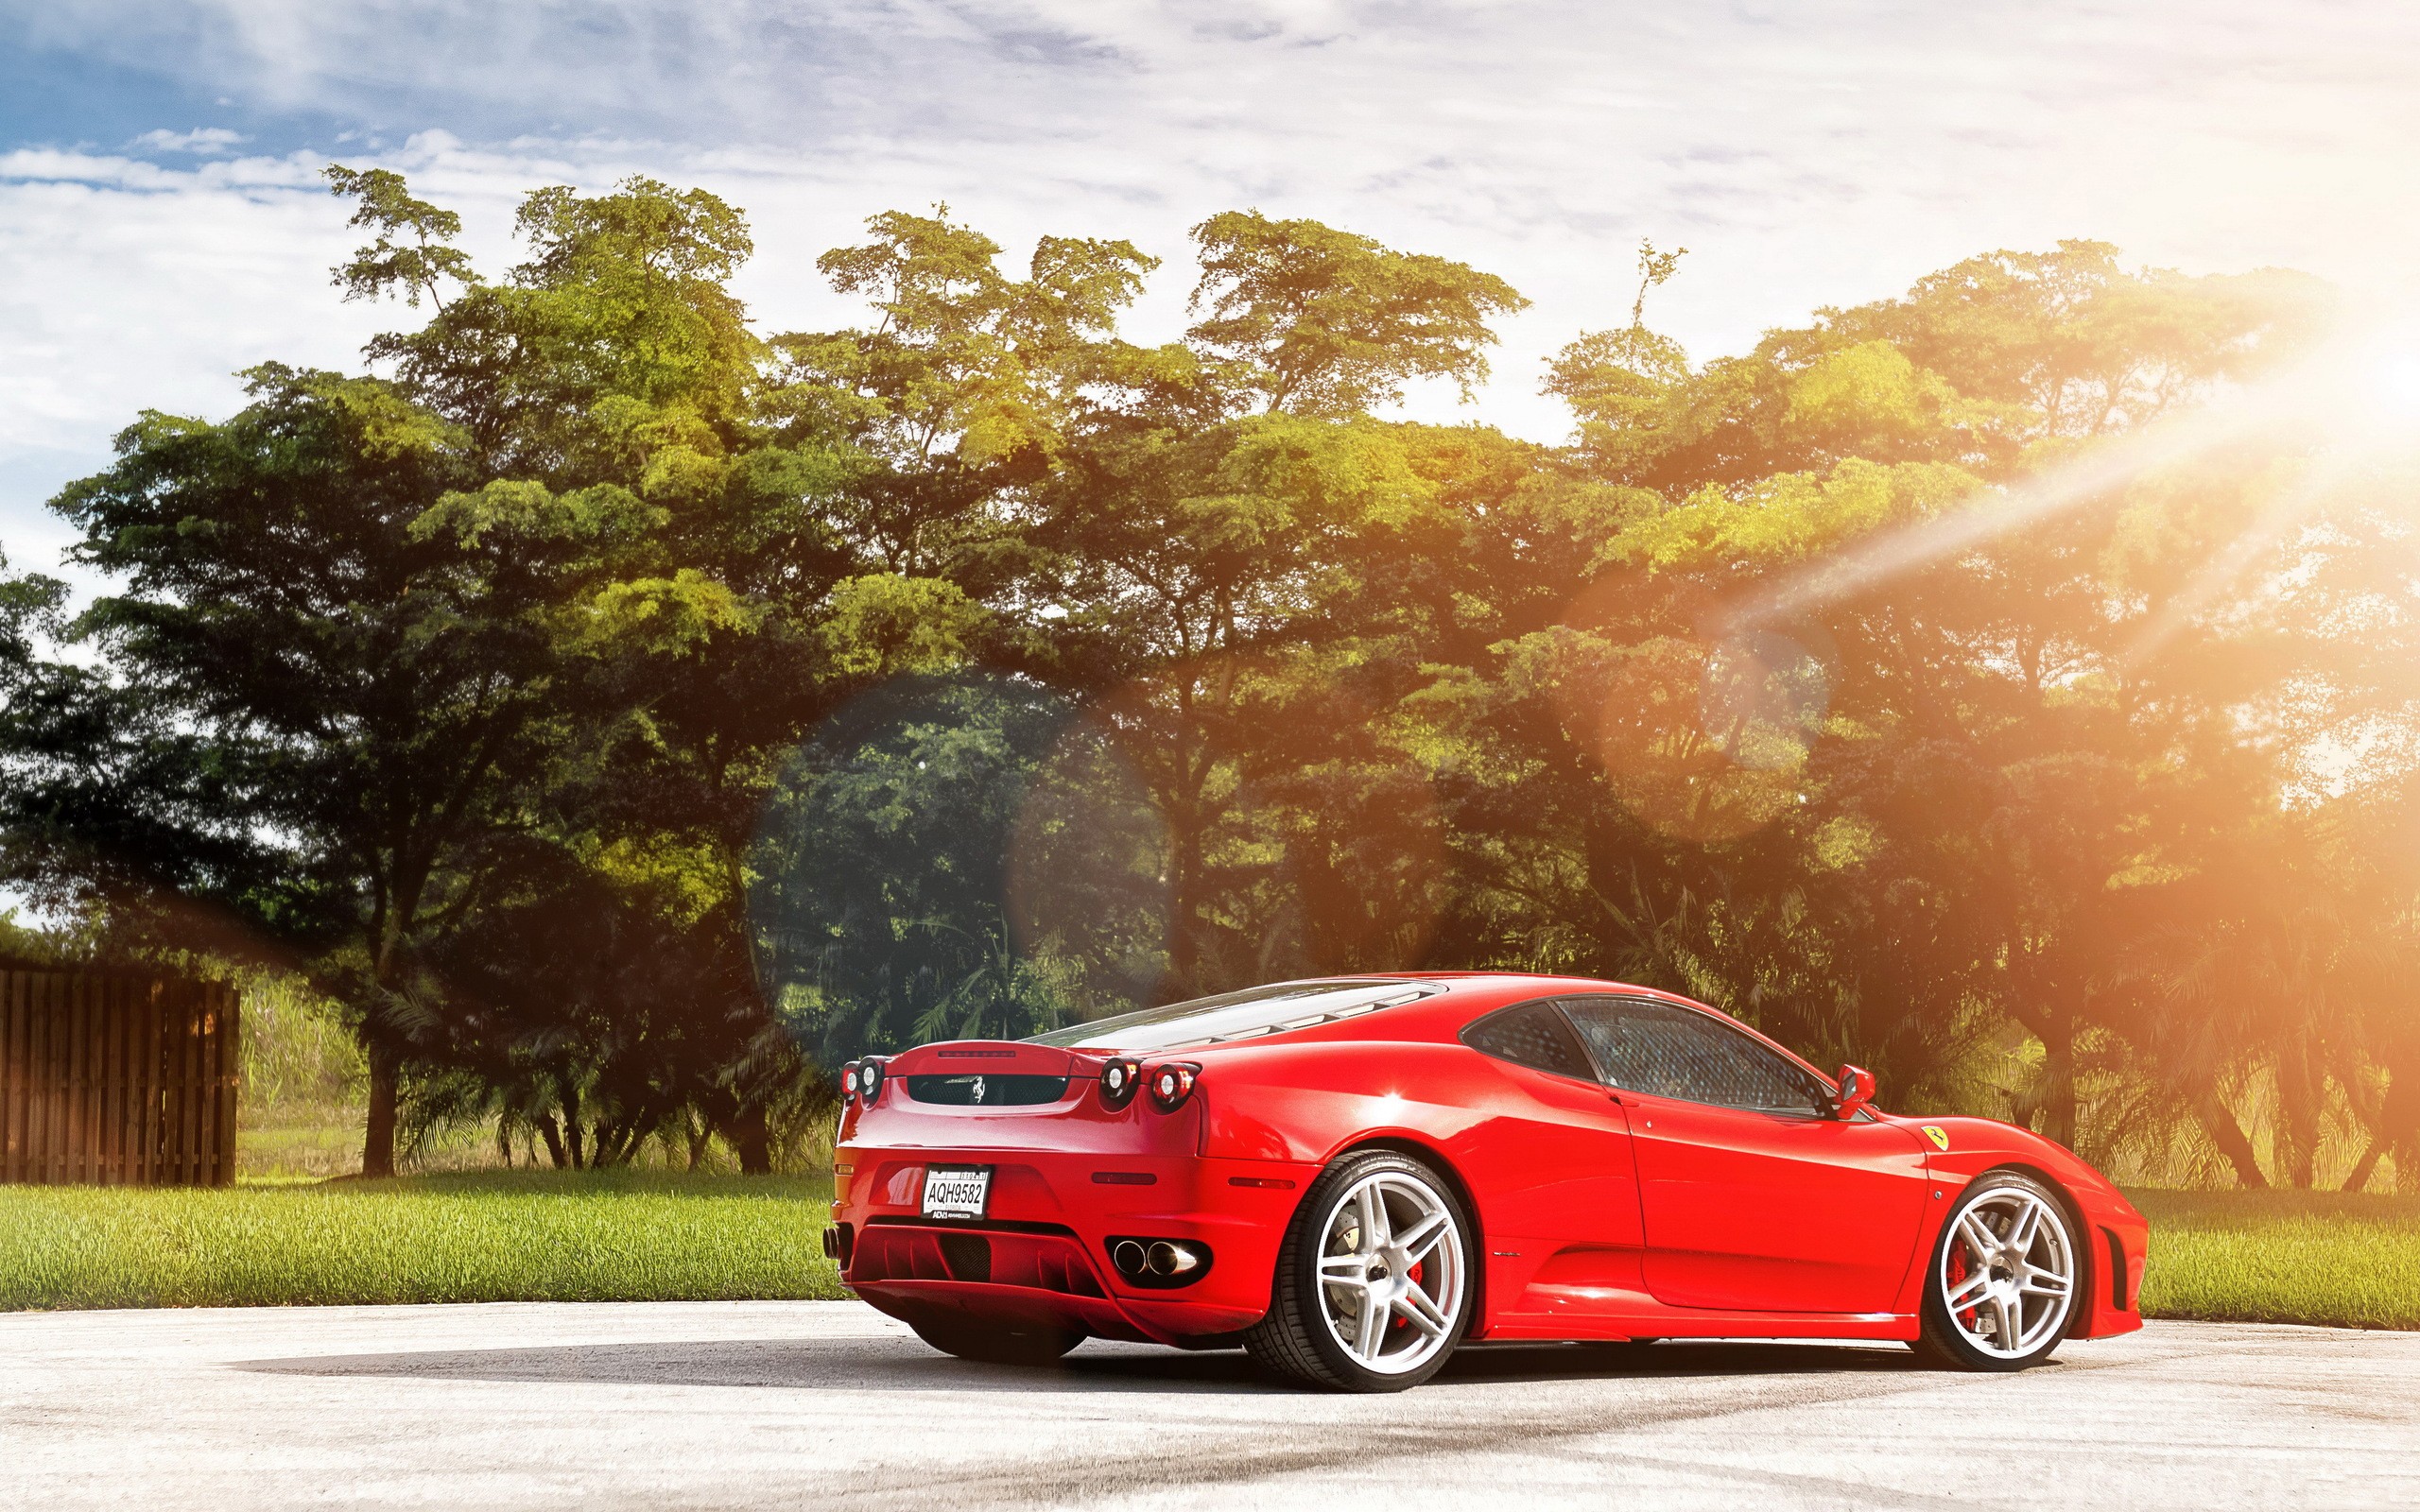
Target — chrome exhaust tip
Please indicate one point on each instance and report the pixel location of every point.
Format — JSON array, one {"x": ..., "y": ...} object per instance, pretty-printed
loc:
[{"x": 1171, "y": 1259}]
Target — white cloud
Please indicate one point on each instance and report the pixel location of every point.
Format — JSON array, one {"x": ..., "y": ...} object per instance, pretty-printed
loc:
[
  {"x": 202, "y": 139},
  {"x": 1821, "y": 152}
]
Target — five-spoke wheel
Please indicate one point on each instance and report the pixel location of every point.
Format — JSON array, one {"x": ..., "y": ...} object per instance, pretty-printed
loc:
[
  {"x": 1373, "y": 1285},
  {"x": 2001, "y": 1288}
]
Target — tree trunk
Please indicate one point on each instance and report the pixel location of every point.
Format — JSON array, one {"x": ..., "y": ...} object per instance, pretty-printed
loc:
[
  {"x": 2218, "y": 1122},
  {"x": 751, "y": 1140},
  {"x": 2057, "y": 1035},
  {"x": 2298, "y": 1096},
  {"x": 2365, "y": 1166},
  {"x": 554, "y": 1138},
  {"x": 378, "y": 1141},
  {"x": 573, "y": 1134},
  {"x": 698, "y": 1131},
  {"x": 1184, "y": 944}
]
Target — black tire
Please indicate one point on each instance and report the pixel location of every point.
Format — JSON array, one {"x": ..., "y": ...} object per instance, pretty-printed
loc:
[
  {"x": 1949, "y": 1344},
  {"x": 1294, "y": 1340},
  {"x": 992, "y": 1344}
]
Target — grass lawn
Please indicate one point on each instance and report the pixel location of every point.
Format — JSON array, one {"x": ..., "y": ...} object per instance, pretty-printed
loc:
[
  {"x": 2284, "y": 1257},
  {"x": 474, "y": 1237},
  {"x": 2268, "y": 1257}
]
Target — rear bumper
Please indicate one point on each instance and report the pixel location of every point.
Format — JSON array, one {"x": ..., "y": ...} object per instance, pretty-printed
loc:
[
  {"x": 1019, "y": 1277},
  {"x": 1040, "y": 1255}
]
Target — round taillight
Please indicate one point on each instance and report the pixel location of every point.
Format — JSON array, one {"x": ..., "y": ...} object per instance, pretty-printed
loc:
[
  {"x": 1119, "y": 1081},
  {"x": 869, "y": 1080},
  {"x": 849, "y": 1081},
  {"x": 1172, "y": 1084}
]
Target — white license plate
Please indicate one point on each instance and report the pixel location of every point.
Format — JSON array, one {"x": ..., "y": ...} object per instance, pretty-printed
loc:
[{"x": 957, "y": 1191}]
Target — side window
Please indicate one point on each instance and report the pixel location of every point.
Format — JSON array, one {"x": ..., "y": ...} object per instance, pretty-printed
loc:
[
  {"x": 1532, "y": 1034},
  {"x": 1669, "y": 1052}
]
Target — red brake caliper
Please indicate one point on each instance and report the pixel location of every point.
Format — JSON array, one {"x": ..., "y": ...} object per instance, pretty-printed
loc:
[
  {"x": 1413, "y": 1276},
  {"x": 1957, "y": 1274}
]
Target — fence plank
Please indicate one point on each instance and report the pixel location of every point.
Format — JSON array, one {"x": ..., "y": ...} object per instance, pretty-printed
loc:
[
  {"x": 164, "y": 1013},
  {"x": 61, "y": 1057},
  {"x": 121, "y": 1090},
  {"x": 29, "y": 1115},
  {"x": 154, "y": 1066},
  {"x": 172, "y": 1131},
  {"x": 172, "y": 1043},
  {"x": 71, "y": 1061},
  {"x": 29, "y": 1160},
  {"x": 130, "y": 1006},
  {"x": 205, "y": 1088},
  {"x": 109, "y": 1124},
  {"x": 196, "y": 1071},
  {"x": 38, "y": 1103},
  {"x": 79, "y": 1074},
  {"x": 92, "y": 1148},
  {"x": 11, "y": 1095},
  {"x": 12, "y": 1113},
  {"x": 231, "y": 1076},
  {"x": 42, "y": 1099},
  {"x": 20, "y": 1118},
  {"x": 110, "y": 1077},
  {"x": 192, "y": 1176}
]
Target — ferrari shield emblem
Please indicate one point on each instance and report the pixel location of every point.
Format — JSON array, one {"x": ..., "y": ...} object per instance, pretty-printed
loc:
[{"x": 1938, "y": 1136}]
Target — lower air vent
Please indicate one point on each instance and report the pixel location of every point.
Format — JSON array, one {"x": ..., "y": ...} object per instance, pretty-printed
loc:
[
  {"x": 985, "y": 1090},
  {"x": 969, "y": 1256}
]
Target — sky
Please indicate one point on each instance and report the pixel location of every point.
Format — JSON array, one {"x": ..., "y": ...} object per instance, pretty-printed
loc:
[{"x": 161, "y": 224}]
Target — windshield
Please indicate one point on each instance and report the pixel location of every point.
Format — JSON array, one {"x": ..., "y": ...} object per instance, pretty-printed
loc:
[{"x": 1237, "y": 1015}]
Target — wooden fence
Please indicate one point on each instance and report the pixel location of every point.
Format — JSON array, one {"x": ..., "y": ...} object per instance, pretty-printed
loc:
[{"x": 116, "y": 1080}]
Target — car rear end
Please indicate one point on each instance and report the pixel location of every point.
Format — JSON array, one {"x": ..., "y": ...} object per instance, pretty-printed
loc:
[{"x": 1034, "y": 1186}]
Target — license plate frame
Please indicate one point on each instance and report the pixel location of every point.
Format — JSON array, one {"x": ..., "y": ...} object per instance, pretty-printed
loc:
[{"x": 956, "y": 1194}]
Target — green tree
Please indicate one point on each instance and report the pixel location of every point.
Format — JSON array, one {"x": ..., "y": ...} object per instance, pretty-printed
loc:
[
  {"x": 1316, "y": 322},
  {"x": 317, "y": 712}
]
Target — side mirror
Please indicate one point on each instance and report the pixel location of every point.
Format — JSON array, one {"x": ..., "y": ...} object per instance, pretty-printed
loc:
[{"x": 1857, "y": 1090}]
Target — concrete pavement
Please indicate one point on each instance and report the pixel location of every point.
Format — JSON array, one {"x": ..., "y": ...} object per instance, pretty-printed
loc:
[{"x": 828, "y": 1405}]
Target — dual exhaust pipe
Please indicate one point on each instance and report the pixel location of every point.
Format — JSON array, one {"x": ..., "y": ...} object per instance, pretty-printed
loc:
[{"x": 1160, "y": 1263}]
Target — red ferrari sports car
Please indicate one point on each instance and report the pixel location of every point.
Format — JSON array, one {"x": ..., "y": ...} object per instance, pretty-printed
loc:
[{"x": 1349, "y": 1177}]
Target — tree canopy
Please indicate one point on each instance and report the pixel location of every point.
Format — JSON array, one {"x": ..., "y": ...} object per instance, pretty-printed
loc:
[{"x": 626, "y": 714}]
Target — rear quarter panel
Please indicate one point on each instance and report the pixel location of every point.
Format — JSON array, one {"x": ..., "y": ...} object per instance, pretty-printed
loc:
[{"x": 1538, "y": 1157}]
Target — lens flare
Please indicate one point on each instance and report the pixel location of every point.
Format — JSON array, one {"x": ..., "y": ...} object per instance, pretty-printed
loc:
[
  {"x": 1674, "y": 774},
  {"x": 1763, "y": 699},
  {"x": 2399, "y": 382}
]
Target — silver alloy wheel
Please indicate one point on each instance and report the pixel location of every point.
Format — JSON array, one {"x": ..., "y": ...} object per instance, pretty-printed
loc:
[
  {"x": 2008, "y": 1275},
  {"x": 1390, "y": 1272}
]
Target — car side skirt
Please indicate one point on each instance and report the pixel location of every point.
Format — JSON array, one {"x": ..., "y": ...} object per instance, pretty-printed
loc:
[{"x": 1643, "y": 1318}]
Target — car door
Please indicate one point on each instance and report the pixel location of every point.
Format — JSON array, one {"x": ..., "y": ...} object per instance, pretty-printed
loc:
[
  {"x": 1553, "y": 1155},
  {"x": 1753, "y": 1197}
]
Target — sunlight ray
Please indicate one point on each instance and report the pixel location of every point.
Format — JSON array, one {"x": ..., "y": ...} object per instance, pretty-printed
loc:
[
  {"x": 2351, "y": 392},
  {"x": 2277, "y": 521}
]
